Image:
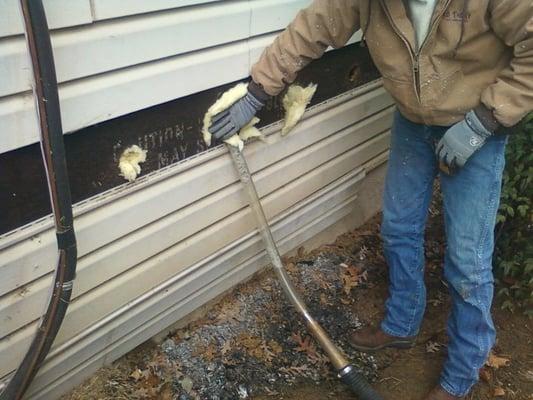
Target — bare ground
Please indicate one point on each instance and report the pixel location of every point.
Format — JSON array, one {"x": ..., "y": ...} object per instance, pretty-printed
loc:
[{"x": 252, "y": 345}]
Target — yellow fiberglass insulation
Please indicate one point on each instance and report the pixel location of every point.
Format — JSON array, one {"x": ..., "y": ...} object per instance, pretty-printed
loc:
[
  {"x": 226, "y": 101},
  {"x": 129, "y": 162},
  {"x": 295, "y": 103}
]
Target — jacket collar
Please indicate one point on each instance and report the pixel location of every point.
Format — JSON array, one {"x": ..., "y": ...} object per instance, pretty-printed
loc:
[{"x": 398, "y": 15}]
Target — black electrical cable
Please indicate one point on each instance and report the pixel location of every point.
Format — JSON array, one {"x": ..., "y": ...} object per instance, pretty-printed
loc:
[{"x": 53, "y": 150}]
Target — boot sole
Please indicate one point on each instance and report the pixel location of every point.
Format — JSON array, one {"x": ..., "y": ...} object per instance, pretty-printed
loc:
[{"x": 402, "y": 345}]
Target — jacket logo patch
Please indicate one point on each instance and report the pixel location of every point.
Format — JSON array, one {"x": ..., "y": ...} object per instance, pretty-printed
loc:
[{"x": 457, "y": 16}]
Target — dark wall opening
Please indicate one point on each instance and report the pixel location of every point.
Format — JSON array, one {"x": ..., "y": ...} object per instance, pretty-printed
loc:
[{"x": 171, "y": 132}]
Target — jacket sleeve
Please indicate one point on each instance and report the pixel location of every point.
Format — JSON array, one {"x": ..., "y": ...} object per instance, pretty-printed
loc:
[
  {"x": 511, "y": 96},
  {"x": 324, "y": 23}
]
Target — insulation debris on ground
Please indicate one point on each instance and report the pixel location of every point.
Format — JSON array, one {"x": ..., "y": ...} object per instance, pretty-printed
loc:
[{"x": 129, "y": 162}]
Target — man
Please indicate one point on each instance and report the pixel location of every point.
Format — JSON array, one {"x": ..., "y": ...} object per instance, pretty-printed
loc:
[{"x": 461, "y": 73}]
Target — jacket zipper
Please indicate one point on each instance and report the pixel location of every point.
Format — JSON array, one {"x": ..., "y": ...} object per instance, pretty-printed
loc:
[
  {"x": 416, "y": 66},
  {"x": 415, "y": 56}
]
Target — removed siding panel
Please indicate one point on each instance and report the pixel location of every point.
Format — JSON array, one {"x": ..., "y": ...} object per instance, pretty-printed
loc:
[{"x": 338, "y": 140}]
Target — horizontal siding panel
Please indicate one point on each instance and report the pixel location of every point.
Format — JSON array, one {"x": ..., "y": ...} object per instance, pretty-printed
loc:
[
  {"x": 18, "y": 122},
  {"x": 111, "y": 95},
  {"x": 111, "y": 45},
  {"x": 178, "y": 297},
  {"x": 108, "y": 46},
  {"x": 99, "y": 267},
  {"x": 270, "y": 15},
  {"x": 327, "y": 147},
  {"x": 112, "y": 68},
  {"x": 60, "y": 14},
  {"x": 15, "y": 63},
  {"x": 158, "y": 269},
  {"x": 107, "y": 96},
  {"x": 26, "y": 260},
  {"x": 106, "y": 9}
]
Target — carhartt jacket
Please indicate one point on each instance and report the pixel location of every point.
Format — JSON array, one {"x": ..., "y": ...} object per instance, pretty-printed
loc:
[{"x": 476, "y": 52}]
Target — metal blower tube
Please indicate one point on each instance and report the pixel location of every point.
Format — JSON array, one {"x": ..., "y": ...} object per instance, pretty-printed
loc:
[{"x": 347, "y": 373}]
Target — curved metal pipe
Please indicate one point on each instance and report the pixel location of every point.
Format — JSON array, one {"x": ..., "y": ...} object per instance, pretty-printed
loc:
[
  {"x": 347, "y": 373},
  {"x": 53, "y": 151}
]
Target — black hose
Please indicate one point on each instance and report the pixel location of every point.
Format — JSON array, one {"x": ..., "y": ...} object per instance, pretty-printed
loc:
[
  {"x": 358, "y": 384},
  {"x": 53, "y": 150}
]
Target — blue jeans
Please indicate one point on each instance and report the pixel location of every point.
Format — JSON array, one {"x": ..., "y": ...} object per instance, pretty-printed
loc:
[{"x": 471, "y": 200}]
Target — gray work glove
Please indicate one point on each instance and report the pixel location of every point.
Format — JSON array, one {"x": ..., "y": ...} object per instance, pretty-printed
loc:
[
  {"x": 229, "y": 122},
  {"x": 461, "y": 141}
]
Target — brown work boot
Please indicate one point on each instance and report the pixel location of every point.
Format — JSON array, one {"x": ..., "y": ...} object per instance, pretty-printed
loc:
[
  {"x": 373, "y": 339},
  {"x": 438, "y": 393}
]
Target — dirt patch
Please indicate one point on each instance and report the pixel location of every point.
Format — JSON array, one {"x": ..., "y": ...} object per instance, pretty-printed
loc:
[{"x": 253, "y": 345}]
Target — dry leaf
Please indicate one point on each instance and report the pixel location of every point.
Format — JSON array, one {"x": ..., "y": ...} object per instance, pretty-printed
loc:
[
  {"x": 499, "y": 392},
  {"x": 291, "y": 267},
  {"x": 324, "y": 300},
  {"x": 136, "y": 375},
  {"x": 304, "y": 345},
  {"x": 165, "y": 392},
  {"x": 496, "y": 362},
  {"x": 226, "y": 347},
  {"x": 485, "y": 375},
  {"x": 276, "y": 348},
  {"x": 351, "y": 277},
  {"x": 296, "y": 371},
  {"x": 433, "y": 347}
]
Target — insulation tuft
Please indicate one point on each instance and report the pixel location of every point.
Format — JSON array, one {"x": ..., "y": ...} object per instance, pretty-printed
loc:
[
  {"x": 295, "y": 103},
  {"x": 129, "y": 162}
]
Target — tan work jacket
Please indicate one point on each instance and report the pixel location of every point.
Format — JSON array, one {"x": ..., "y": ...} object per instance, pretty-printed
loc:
[{"x": 478, "y": 51}]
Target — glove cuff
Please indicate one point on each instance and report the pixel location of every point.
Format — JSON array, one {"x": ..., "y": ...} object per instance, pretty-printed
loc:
[
  {"x": 487, "y": 118},
  {"x": 258, "y": 92},
  {"x": 477, "y": 125}
]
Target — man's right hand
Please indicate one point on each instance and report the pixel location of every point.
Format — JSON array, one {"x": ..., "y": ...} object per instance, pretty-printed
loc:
[{"x": 230, "y": 122}]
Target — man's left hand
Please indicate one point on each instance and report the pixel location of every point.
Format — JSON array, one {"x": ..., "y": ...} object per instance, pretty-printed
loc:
[{"x": 461, "y": 141}]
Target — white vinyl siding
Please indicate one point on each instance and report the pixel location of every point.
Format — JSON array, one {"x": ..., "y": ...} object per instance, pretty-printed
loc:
[
  {"x": 152, "y": 251},
  {"x": 111, "y": 67},
  {"x": 128, "y": 247}
]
